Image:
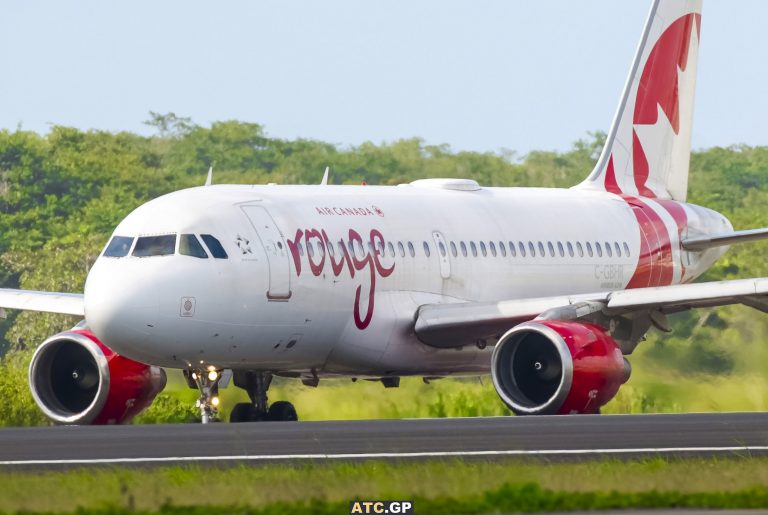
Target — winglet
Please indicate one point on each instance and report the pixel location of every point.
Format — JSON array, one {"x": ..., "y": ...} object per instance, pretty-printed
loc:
[
  {"x": 324, "y": 182},
  {"x": 209, "y": 179}
]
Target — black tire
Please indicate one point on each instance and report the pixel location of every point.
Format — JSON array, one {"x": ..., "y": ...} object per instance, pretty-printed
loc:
[
  {"x": 282, "y": 411},
  {"x": 243, "y": 412}
]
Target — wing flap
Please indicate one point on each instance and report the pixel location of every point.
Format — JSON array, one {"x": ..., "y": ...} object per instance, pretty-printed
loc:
[{"x": 50, "y": 302}]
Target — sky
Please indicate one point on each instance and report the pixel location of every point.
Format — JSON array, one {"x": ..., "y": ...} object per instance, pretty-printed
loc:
[{"x": 480, "y": 75}]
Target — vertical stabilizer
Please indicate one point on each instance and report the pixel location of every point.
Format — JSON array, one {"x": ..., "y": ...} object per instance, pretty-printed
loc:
[{"x": 648, "y": 149}]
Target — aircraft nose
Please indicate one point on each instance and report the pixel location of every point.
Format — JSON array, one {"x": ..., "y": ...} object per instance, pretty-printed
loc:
[{"x": 118, "y": 308}]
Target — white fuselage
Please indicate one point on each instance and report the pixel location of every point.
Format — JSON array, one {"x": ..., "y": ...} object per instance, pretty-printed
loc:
[{"x": 283, "y": 301}]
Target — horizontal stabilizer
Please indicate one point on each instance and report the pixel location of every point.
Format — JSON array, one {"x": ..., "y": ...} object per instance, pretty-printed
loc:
[{"x": 720, "y": 240}]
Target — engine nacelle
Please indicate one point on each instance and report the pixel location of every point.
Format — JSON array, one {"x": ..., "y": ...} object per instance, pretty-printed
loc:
[
  {"x": 76, "y": 379},
  {"x": 549, "y": 367}
]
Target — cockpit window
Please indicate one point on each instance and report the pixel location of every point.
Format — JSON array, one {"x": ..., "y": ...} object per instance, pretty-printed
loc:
[
  {"x": 164, "y": 245},
  {"x": 189, "y": 246},
  {"x": 214, "y": 246},
  {"x": 119, "y": 247}
]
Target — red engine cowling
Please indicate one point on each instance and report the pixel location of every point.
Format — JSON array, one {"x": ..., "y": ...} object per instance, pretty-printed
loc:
[
  {"x": 549, "y": 367},
  {"x": 76, "y": 379}
]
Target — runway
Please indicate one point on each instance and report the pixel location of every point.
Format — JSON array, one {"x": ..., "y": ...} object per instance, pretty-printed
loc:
[{"x": 551, "y": 437}]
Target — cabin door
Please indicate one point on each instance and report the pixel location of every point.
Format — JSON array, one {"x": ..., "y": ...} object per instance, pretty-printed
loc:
[{"x": 277, "y": 252}]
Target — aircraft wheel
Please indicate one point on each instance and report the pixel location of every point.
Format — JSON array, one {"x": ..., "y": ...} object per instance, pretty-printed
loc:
[{"x": 282, "y": 411}]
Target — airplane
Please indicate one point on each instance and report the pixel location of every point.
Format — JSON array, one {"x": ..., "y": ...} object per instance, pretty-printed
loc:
[{"x": 548, "y": 290}]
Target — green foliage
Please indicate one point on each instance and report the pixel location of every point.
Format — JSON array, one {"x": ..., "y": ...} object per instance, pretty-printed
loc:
[
  {"x": 18, "y": 408},
  {"x": 62, "y": 194},
  {"x": 167, "y": 409}
]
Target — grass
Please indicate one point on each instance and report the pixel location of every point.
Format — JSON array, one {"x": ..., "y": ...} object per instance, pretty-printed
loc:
[{"x": 464, "y": 482}]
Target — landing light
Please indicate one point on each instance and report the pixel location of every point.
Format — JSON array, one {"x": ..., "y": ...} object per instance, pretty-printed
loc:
[
  {"x": 194, "y": 376},
  {"x": 212, "y": 375},
  {"x": 215, "y": 401}
]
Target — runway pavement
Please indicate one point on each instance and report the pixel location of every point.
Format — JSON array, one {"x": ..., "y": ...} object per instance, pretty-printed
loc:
[{"x": 551, "y": 437}]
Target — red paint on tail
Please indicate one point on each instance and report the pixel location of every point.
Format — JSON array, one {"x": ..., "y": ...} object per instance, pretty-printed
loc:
[
  {"x": 659, "y": 82},
  {"x": 610, "y": 178},
  {"x": 640, "y": 166}
]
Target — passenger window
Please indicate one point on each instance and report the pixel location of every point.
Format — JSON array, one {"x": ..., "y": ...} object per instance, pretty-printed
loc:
[
  {"x": 473, "y": 247},
  {"x": 493, "y": 248},
  {"x": 411, "y": 250},
  {"x": 502, "y": 249},
  {"x": 301, "y": 248},
  {"x": 341, "y": 248},
  {"x": 380, "y": 249},
  {"x": 551, "y": 249},
  {"x": 164, "y": 245},
  {"x": 359, "y": 250},
  {"x": 189, "y": 246},
  {"x": 118, "y": 247},
  {"x": 608, "y": 249},
  {"x": 579, "y": 249},
  {"x": 618, "y": 249},
  {"x": 570, "y": 249},
  {"x": 521, "y": 246},
  {"x": 598, "y": 249},
  {"x": 214, "y": 246},
  {"x": 331, "y": 250},
  {"x": 351, "y": 248},
  {"x": 391, "y": 249},
  {"x": 483, "y": 249},
  {"x": 626, "y": 249},
  {"x": 401, "y": 248},
  {"x": 463, "y": 249},
  {"x": 370, "y": 249},
  {"x": 310, "y": 249},
  {"x": 454, "y": 252},
  {"x": 426, "y": 249},
  {"x": 512, "y": 250},
  {"x": 441, "y": 247},
  {"x": 589, "y": 249},
  {"x": 560, "y": 249},
  {"x": 532, "y": 249},
  {"x": 541, "y": 250}
]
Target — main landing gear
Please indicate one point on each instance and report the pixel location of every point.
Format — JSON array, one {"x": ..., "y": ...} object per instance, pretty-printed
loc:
[{"x": 257, "y": 384}]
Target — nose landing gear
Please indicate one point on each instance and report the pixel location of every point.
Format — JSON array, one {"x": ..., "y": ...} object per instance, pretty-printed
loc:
[
  {"x": 207, "y": 382},
  {"x": 257, "y": 384}
]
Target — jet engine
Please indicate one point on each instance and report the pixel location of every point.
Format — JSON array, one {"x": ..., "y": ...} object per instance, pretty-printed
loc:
[
  {"x": 548, "y": 367},
  {"x": 76, "y": 379}
]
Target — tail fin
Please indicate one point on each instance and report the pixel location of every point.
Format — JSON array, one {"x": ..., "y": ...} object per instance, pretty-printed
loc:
[{"x": 648, "y": 148}]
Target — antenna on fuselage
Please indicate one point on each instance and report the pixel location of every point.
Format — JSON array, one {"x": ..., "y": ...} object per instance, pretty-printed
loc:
[
  {"x": 324, "y": 182},
  {"x": 209, "y": 179}
]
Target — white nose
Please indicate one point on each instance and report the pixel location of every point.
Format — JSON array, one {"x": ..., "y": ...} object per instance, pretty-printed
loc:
[{"x": 120, "y": 306}]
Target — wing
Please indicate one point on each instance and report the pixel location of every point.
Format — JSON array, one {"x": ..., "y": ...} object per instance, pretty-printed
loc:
[
  {"x": 453, "y": 325},
  {"x": 51, "y": 302}
]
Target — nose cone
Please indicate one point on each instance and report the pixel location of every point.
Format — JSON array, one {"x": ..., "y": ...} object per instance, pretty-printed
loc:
[{"x": 120, "y": 306}]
